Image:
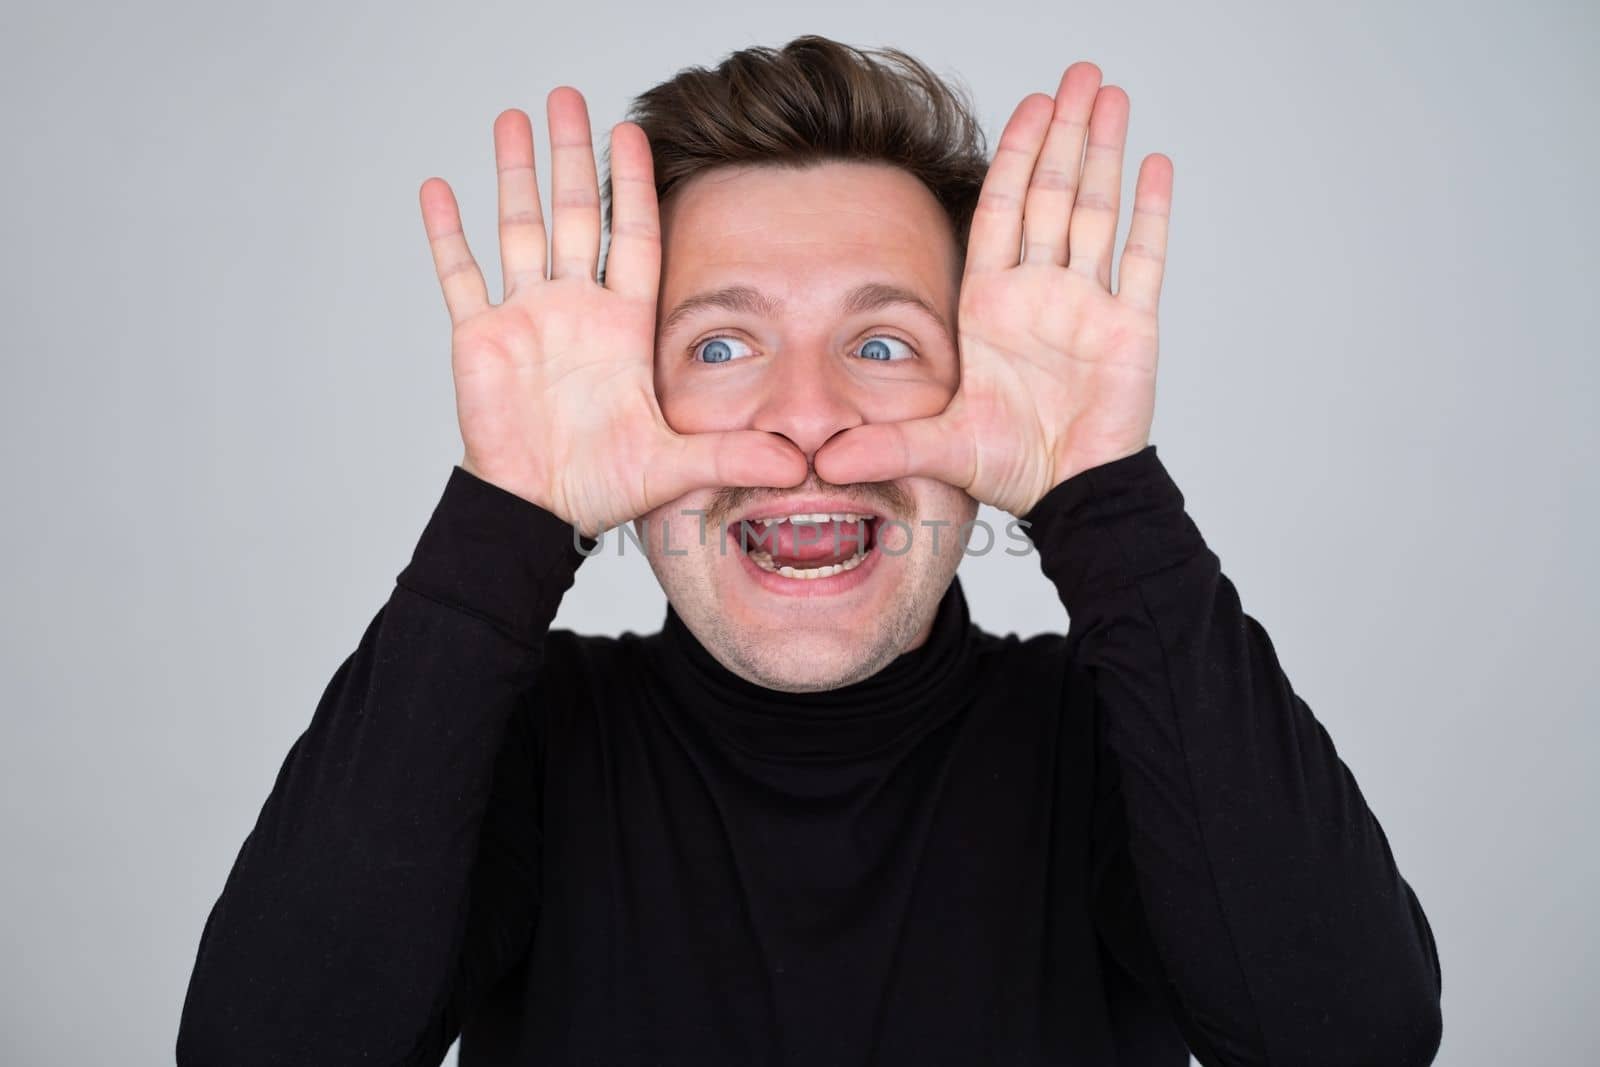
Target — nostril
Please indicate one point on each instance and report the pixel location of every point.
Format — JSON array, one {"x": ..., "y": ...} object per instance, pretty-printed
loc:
[{"x": 837, "y": 433}]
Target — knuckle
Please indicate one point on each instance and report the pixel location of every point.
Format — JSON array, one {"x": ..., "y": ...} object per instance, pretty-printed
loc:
[
  {"x": 993, "y": 201},
  {"x": 1053, "y": 179},
  {"x": 522, "y": 218},
  {"x": 575, "y": 198},
  {"x": 635, "y": 231}
]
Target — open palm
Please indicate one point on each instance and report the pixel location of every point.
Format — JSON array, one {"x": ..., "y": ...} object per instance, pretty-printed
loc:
[
  {"x": 1057, "y": 371},
  {"x": 554, "y": 391}
]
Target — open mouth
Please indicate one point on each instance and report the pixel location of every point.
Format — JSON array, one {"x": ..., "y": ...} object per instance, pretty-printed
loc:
[{"x": 808, "y": 546}]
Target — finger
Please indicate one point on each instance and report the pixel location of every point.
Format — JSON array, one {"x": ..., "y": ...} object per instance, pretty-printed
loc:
[
  {"x": 464, "y": 291},
  {"x": 735, "y": 457},
  {"x": 1092, "y": 232},
  {"x": 1144, "y": 254},
  {"x": 884, "y": 451},
  {"x": 995, "y": 242},
  {"x": 575, "y": 188},
  {"x": 633, "y": 261},
  {"x": 522, "y": 237},
  {"x": 1055, "y": 178}
]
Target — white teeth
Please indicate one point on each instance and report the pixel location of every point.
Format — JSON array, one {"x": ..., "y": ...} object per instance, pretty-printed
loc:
[
  {"x": 764, "y": 560},
  {"x": 805, "y": 574},
  {"x": 816, "y": 516}
]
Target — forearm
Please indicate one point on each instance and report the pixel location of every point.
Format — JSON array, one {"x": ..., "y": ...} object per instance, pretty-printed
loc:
[
  {"x": 1269, "y": 890},
  {"x": 338, "y": 933}
]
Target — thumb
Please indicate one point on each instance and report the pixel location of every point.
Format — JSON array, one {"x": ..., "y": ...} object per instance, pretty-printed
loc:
[
  {"x": 883, "y": 451},
  {"x": 725, "y": 458}
]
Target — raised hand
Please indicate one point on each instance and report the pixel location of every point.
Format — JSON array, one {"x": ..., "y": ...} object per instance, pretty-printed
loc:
[
  {"x": 1058, "y": 374},
  {"x": 553, "y": 385}
]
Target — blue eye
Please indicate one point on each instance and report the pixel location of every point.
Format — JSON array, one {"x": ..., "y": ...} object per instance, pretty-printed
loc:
[
  {"x": 880, "y": 348},
  {"x": 720, "y": 350}
]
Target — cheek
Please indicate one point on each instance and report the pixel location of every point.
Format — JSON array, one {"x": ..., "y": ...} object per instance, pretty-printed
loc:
[
  {"x": 674, "y": 532},
  {"x": 936, "y": 500},
  {"x": 897, "y": 401},
  {"x": 706, "y": 406},
  {"x": 682, "y": 538}
]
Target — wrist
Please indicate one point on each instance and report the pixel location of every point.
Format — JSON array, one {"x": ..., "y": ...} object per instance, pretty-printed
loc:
[
  {"x": 1111, "y": 525},
  {"x": 517, "y": 484},
  {"x": 1072, "y": 463},
  {"x": 492, "y": 554}
]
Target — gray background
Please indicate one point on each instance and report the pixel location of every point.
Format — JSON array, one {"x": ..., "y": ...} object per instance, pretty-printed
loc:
[{"x": 227, "y": 414}]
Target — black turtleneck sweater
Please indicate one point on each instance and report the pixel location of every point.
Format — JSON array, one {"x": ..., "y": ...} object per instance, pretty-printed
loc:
[{"x": 1096, "y": 848}]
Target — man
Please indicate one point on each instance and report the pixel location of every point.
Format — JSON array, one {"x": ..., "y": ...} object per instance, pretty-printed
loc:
[{"x": 820, "y": 818}]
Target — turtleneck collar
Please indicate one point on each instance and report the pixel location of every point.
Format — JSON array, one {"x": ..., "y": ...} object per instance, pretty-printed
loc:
[{"x": 907, "y": 697}]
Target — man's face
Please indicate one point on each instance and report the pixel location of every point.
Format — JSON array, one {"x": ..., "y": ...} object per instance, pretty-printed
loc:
[{"x": 811, "y": 327}]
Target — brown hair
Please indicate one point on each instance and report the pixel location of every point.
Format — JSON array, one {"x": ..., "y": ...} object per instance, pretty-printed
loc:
[{"x": 811, "y": 101}]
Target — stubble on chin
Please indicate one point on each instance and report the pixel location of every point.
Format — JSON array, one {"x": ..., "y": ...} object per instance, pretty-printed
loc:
[
  {"x": 803, "y": 663},
  {"x": 805, "y": 660}
]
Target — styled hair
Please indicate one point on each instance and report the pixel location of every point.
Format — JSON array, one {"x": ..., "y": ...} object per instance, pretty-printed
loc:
[{"x": 816, "y": 100}]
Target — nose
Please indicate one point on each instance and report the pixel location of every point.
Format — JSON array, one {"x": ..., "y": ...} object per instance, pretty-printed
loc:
[{"x": 807, "y": 399}]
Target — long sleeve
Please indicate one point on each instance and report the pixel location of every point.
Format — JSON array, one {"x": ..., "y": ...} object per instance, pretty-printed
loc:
[
  {"x": 1239, "y": 874},
  {"x": 361, "y": 917}
]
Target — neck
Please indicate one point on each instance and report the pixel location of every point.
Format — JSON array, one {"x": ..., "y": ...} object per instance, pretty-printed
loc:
[{"x": 908, "y": 694}]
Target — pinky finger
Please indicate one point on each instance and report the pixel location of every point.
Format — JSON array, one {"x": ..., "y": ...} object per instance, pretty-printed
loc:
[
  {"x": 465, "y": 293},
  {"x": 1144, "y": 254}
]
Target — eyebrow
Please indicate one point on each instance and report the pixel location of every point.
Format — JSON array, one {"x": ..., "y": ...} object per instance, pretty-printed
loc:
[{"x": 743, "y": 299}]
